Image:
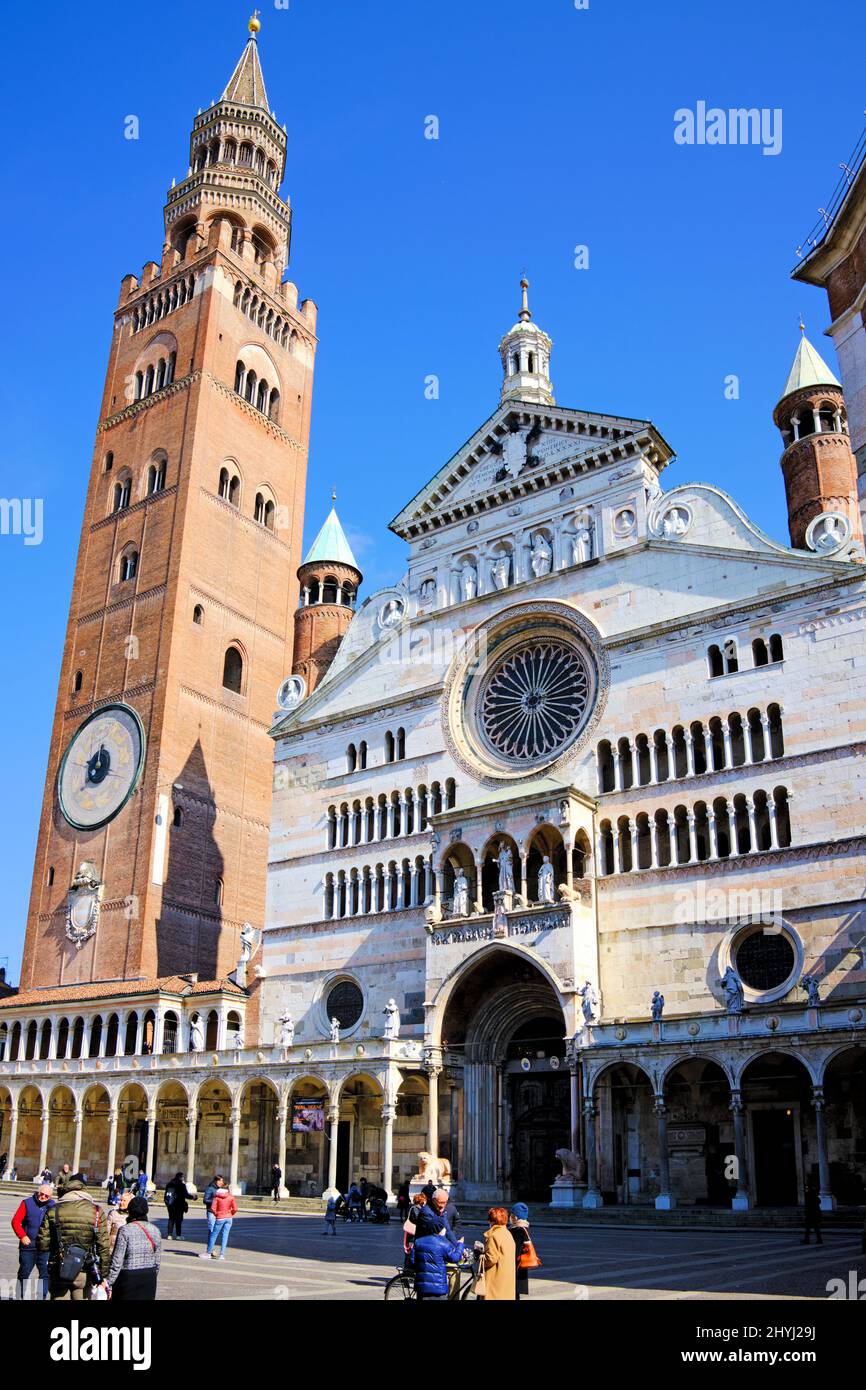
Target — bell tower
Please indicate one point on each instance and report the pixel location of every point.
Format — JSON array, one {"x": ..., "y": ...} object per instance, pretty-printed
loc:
[
  {"x": 525, "y": 355},
  {"x": 818, "y": 465},
  {"x": 182, "y": 611},
  {"x": 329, "y": 580}
]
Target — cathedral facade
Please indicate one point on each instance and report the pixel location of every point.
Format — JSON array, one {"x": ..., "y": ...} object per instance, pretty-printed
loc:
[{"x": 581, "y": 796}]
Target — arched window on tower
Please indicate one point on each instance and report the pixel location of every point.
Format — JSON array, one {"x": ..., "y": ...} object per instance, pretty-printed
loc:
[
  {"x": 122, "y": 491},
  {"x": 235, "y": 490},
  {"x": 262, "y": 397},
  {"x": 128, "y": 565},
  {"x": 760, "y": 655},
  {"x": 76, "y": 684},
  {"x": 240, "y": 374},
  {"x": 250, "y": 389},
  {"x": 274, "y": 405},
  {"x": 156, "y": 477},
  {"x": 198, "y": 615},
  {"x": 777, "y": 650},
  {"x": 715, "y": 664},
  {"x": 224, "y": 483},
  {"x": 233, "y": 670},
  {"x": 148, "y": 381}
]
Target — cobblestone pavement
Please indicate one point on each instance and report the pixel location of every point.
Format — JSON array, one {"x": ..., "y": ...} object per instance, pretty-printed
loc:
[{"x": 280, "y": 1256}]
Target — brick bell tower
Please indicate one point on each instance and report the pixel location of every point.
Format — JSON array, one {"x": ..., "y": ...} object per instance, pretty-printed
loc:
[
  {"x": 329, "y": 580},
  {"x": 818, "y": 465},
  {"x": 182, "y": 611}
]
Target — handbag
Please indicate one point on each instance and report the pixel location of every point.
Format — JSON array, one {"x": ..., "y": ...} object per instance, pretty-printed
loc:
[{"x": 528, "y": 1257}]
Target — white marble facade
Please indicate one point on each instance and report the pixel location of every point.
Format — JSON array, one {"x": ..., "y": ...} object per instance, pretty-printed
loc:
[{"x": 699, "y": 797}]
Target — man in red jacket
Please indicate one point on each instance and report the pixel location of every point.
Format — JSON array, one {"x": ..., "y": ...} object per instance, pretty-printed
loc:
[{"x": 25, "y": 1223}]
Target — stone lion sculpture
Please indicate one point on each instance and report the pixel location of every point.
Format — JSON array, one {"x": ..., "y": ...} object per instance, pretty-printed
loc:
[
  {"x": 432, "y": 1169},
  {"x": 573, "y": 1166}
]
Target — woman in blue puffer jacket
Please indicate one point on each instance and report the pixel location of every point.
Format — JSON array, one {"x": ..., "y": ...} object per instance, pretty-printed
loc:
[{"x": 430, "y": 1255}]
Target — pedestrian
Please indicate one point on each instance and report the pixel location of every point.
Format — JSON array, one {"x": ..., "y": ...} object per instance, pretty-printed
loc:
[
  {"x": 4, "y": 1159},
  {"x": 223, "y": 1209},
  {"x": 47, "y": 1176},
  {"x": 524, "y": 1249},
  {"x": 276, "y": 1181},
  {"x": 499, "y": 1263},
  {"x": 75, "y": 1234},
  {"x": 177, "y": 1206},
  {"x": 403, "y": 1200},
  {"x": 428, "y": 1189},
  {"x": 431, "y": 1255},
  {"x": 331, "y": 1216},
  {"x": 135, "y": 1259},
  {"x": 141, "y": 1184},
  {"x": 117, "y": 1216},
  {"x": 26, "y": 1224},
  {"x": 210, "y": 1192},
  {"x": 410, "y": 1228},
  {"x": 439, "y": 1216},
  {"x": 63, "y": 1178},
  {"x": 812, "y": 1213}
]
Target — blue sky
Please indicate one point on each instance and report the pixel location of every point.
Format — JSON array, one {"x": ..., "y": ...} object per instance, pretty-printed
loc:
[{"x": 555, "y": 130}]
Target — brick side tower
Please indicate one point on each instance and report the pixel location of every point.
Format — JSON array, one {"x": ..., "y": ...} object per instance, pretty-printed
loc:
[
  {"x": 818, "y": 465},
  {"x": 181, "y": 618},
  {"x": 329, "y": 580}
]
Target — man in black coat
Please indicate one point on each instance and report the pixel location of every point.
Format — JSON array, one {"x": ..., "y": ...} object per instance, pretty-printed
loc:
[{"x": 176, "y": 1205}]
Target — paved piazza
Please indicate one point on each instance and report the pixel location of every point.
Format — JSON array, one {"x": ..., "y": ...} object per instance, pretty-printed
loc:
[{"x": 285, "y": 1256}]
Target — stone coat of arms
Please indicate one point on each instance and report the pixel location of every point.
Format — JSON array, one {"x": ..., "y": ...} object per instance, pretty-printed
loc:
[{"x": 82, "y": 904}]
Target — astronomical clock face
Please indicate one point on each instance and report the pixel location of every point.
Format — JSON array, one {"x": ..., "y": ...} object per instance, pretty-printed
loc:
[{"x": 101, "y": 767}]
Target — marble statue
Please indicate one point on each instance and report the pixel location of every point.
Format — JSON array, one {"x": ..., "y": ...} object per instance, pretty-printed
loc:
[
  {"x": 461, "y": 894},
  {"x": 500, "y": 915},
  {"x": 392, "y": 1019},
  {"x": 546, "y": 893},
  {"x": 196, "y": 1034},
  {"x": 590, "y": 1001},
  {"x": 335, "y": 1030},
  {"x": 287, "y": 1030},
  {"x": 392, "y": 613},
  {"x": 468, "y": 582},
  {"x": 573, "y": 1167},
  {"x": 502, "y": 571},
  {"x": 581, "y": 542},
  {"x": 542, "y": 556},
  {"x": 430, "y": 1169},
  {"x": 675, "y": 522},
  {"x": 506, "y": 869},
  {"x": 248, "y": 942},
  {"x": 658, "y": 1005},
  {"x": 238, "y": 1040},
  {"x": 732, "y": 987},
  {"x": 810, "y": 984}
]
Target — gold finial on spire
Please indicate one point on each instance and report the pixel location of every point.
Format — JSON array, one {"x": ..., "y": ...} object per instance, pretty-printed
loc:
[
  {"x": 802, "y": 324},
  {"x": 524, "y": 305},
  {"x": 333, "y": 494},
  {"x": 255, "y": 23}
]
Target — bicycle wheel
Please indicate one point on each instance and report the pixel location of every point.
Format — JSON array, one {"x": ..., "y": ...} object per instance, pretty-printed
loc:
[{"x": 401, "y": 1287}]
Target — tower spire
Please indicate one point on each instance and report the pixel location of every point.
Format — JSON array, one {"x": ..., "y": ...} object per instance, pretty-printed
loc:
[
  {"x": 247, "y": 84},
  {"x": 525, "y": 355}
]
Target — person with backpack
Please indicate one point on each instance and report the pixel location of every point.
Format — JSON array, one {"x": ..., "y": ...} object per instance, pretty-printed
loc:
[
  {"x": 135, "y": 1259},
  {"x": 276, "y": 1181},
  {"x": 75, "y": 1234},
  {"x": 177, "y": 1205},
  {"x": 525, "y": 1254},
  {"x": 26, "y": 1223}
]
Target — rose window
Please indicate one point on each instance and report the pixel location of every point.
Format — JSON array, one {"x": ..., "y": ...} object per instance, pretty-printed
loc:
[{"x": 535, "y": 701}]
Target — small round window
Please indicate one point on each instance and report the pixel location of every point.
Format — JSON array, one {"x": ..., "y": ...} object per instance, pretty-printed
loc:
[
  {"x": 345, "y": 1003},
  {"x": 765, "y": 960}
]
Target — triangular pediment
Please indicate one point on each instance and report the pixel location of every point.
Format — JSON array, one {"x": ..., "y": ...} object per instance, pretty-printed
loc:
[{"x": 523, "y": 448}]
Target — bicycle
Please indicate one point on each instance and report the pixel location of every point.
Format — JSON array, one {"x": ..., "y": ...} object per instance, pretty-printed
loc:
[{"x": 462, "y": 1279}]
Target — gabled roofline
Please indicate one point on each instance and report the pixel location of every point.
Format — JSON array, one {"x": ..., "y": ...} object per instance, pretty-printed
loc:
[{"x": 401, "y": 524}]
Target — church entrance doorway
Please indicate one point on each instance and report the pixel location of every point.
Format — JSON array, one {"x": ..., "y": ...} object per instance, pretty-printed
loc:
[
  {"x": 539, "y": 1111},
  {"x": 774, "y": 1133}
]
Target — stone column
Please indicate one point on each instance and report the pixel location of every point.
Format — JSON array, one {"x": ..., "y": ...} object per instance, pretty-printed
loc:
[
  {"x": 742, "y": 1198},
  {"x": 693, "y": 838},
  {"x": 281, "y": 1144},
  {"x": 120, "y": 1044},
  {"x": 654, "y": 843},
  {"x": 428, "y": 878},
  {"x": 617, "y": 857},
  {"x": 13, "y": 1134},
  {"x": 236, "y": 1150},
  {"x": 392, "y": 809},
  {"x": 633, "y": 761},
  {"x": 158, "y": 1029},
  {"x": 747, "y": 742},
  {"x": 401, "y": 887},
  {"x": 112, "y": 1140},
  {"x": 139, "y": 1034},
  {"x": 76, "y": 1143},
  {"x": 151, "y": 1141},
  {"x": 753, "y": 826},
  {"x": 665, "y": 1201},
  {"x": 599, "y": 858},
  {"x": 774, "y": 829},
  {"x": 388, "y": 1150},
  {"x": 654, "y": 761},
  {"x": 729, "y": 747},
  {"x": 574, "y": 1111},
  {"x": 714, "y": 833},
  {"x": 632, "y": 832},
  {"x": 433, "y": 1110},
  {"x": 103, "y": 1035},
  {"x": 617, "y": 769},
  {"x": 592, "y": 1200},
  {"x": 826, "y": 1198},
  {"x": 43, "y": 1140},
  {"x": 765, "y": 725},
  {"x": 690, "y": 752},
  {"x": 524, "y": 880},
  {"x": 334, "y": 1122},
  {"x": 191, "y": 1124}
]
